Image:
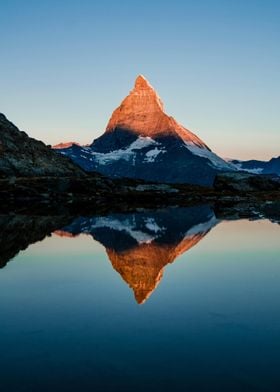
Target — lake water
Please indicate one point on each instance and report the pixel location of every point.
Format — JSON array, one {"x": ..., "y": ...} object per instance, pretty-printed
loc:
[{"x": 166, "y": 300}]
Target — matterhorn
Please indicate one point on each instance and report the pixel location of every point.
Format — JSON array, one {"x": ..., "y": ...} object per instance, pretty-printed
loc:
[{"x": 142, "y": 142}]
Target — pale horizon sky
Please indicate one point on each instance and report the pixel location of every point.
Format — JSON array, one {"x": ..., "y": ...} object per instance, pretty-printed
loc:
[{"x": 66, "y": 65}]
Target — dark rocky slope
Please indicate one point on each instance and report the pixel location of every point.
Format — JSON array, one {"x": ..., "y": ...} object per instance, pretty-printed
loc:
[{"x": 22, "y": 156}]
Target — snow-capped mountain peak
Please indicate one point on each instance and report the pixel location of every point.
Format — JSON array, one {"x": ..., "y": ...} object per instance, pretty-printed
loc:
[
  {"x": 142, "y": 112},
  {"x": 141, "y": 141}
]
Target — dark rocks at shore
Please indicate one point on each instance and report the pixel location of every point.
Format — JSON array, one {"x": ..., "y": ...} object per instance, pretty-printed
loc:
[
  {"x": 240, "y": 182},
  {"x": 253, "y": 210},
  {"x": 97, "y": 190}
]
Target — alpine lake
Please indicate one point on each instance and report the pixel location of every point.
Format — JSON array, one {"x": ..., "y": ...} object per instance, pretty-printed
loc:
[{"x": 165, "y": 299}]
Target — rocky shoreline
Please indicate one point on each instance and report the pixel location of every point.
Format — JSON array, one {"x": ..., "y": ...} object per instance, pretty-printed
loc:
[{"x": 95, "y": 189}]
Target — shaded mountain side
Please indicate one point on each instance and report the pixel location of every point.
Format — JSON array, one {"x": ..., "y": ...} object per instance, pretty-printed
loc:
[
  {"x": 163, "y": 159},
  {"x": 23, "y": 156},
  {"x": 259, "y": 167}
]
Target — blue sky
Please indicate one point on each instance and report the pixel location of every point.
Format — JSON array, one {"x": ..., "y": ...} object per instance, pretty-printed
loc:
[{"x": 66, "y": 65}]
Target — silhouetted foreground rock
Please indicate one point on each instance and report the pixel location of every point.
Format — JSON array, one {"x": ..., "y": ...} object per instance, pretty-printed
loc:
[
  {"x": 23, "y": 156},
  {"x": 245, "y": 182}
]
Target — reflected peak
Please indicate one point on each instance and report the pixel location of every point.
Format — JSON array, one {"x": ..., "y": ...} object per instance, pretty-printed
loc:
[{"x": 139, "y": 245}]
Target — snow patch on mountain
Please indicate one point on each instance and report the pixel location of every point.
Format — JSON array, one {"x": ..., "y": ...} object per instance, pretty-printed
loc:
[
  {"x": 152, "y": 154},
  {"x": 124, "y": 153},
  {"x": 128, "y": 153},
  {"x": 127, "y": 226},
  {"x": 151, "y": 225},
  {"x": 214, "y": 159},
  {"x": 202, "y": 227},
  {"x": 252, "y": 171}
]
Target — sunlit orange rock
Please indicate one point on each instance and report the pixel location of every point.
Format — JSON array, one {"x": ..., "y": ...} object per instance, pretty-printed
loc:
[
  {"x": 142, "y": 266},
  {"x": 60, "y": 146},
  {"x": 142, "y": 112},
  {"x": 62, "y": 233}
]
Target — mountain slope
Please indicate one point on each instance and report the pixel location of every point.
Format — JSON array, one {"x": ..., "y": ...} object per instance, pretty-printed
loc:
[
  {"x": 142, "y": 141},
  {"x": 259, "y": 167},
  {"x": 23, "y": 156}
]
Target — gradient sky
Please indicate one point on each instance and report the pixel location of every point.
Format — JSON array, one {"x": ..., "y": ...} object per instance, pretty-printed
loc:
[{"x": 67, "y": 64}]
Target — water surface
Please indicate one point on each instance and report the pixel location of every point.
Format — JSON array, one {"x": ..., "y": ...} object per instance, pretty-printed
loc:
[{"x": 167, "y": 300}]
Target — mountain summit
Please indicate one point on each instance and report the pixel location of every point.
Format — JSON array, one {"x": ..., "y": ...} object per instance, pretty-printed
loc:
[
  {"x": 141, "y": 141},
  {"x": 142, "y": 112}
]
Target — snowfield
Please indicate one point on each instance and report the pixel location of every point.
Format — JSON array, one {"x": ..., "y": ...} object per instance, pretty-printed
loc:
[{"x": 216, "y": 161}]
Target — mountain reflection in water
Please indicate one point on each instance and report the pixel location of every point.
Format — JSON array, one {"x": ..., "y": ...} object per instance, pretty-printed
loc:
[
  {"x": 69, "y": 323},
  {"x": 139, "y": 245}
]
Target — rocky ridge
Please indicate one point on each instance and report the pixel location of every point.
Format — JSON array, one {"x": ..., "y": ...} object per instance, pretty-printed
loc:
[{"x": 22, "y": 156}]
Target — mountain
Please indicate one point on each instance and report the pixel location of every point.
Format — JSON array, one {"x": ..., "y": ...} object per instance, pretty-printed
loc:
[
  {"x": 259, "y": 167},
  {"x": 141, "y": 141},
  {"x": 64, "y": 145},
  {"x": 22, "y": 156},
  {"x": 140, "y": 245}
]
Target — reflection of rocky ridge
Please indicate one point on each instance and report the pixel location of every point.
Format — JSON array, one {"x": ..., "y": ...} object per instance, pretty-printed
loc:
[
  {"x": 139, "y": 245},
  {"x": 17, "y": 232}
]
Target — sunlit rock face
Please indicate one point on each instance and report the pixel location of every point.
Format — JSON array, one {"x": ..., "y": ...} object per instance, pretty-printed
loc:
[
  {"x": 142, "y": 266},
  {"x": 142, "y": 142},
  {"x": 142, "y": 113},
  {"x": 139, "y": 245},
  {"x": 62, "y": 233},
  {"x": 60, "y": 146}
]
